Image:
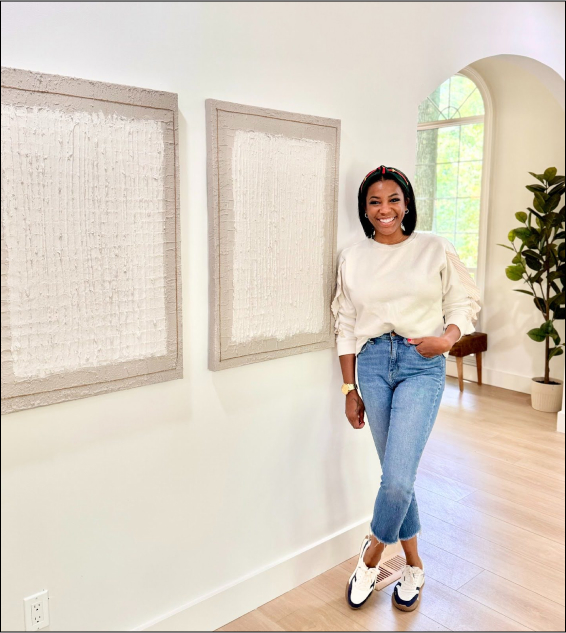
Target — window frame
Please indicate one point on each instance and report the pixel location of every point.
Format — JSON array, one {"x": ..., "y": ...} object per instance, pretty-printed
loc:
[{"x": 485, "y": 196}]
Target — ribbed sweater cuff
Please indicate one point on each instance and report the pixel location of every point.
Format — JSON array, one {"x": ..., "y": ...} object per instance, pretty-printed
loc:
[{"x": 461, "y": 322}]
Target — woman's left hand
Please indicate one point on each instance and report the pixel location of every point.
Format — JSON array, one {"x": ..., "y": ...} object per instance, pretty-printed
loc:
[{"x": 431, "y": 345}]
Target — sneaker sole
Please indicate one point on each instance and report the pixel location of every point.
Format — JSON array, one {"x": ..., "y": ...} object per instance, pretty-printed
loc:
[{"x": 402, "y": 607}]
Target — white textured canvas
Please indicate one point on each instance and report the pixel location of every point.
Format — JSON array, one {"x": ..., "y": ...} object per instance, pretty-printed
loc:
[
  {"x": 273, "y": 212},
  {"x": 279, "y": 189},
  {"x": 83, "y": 217}
]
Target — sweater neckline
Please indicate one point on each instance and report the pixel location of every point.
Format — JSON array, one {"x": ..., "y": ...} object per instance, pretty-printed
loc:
[{"x": 411, "y": 238}]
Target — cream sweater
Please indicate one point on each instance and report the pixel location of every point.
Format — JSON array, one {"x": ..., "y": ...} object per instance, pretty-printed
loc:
[{"x": 417, "y": 288}]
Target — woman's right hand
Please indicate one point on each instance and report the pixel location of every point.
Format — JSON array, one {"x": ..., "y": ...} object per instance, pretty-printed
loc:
[{"x": 355, "y": 409}]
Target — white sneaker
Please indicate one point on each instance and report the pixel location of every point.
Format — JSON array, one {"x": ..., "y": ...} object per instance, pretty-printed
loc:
[
  {"x": 362, "y": 581},
  {"x": 407, "y": 592}
]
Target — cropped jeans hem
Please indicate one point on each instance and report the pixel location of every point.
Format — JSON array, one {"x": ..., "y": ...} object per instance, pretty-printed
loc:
[
  {"x": 407, "y": 538},
  {"x": 380, "y": 540}
]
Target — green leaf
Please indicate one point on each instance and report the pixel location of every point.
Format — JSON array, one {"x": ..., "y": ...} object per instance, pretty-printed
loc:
[
  {"x": 541, "y": 196},
  {"x": 538, "y": 206},
  {"x": 538, "y": 176},
  {"x": 523, "y": 233},
  {"x": 534, "y": 188},
  {"x": 533, "y": 263},
  {"x": 533, "y": 254},
  {"x": 505, "y": 246},
  {"x": 553, "y": 202},
  {"x": 514, "y": 272},
  {"x": 556, "y": 180},
  {"x": 534, "y": 212},
  {"x": 527, "y": 292},
  {"x": 555, "y": 351},
  {"x": 547, "y": 327},
  {"x": 557, "y": 190},
  {"x": 522, "y": 216},
  {"x": 537, "y": 335},
  {"x": 511, "y": 235},
  {"x": 550, "y": 173}
]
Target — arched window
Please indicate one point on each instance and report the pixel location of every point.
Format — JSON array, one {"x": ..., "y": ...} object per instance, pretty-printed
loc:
[{"x": 451, "y": 182}]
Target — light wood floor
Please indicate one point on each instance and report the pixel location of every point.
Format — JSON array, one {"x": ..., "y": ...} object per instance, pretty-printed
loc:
[{"x": 491, "y": 502}]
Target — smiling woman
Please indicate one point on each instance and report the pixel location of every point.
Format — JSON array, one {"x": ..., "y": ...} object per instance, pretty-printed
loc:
[{"x": 399, "y": 283}]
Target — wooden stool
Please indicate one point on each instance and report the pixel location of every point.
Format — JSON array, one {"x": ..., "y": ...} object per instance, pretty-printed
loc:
[{"x": 475, "y": 343}]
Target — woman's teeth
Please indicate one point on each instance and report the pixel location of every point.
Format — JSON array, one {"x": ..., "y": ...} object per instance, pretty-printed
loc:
[{"x": 386, "y": 220}]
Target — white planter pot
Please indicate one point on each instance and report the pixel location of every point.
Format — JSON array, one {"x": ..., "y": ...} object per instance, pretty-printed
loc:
[{"x": 546, "y": 397}]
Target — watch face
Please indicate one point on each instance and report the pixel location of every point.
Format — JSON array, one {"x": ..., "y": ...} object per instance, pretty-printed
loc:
[{"x": 345, "y": 390}]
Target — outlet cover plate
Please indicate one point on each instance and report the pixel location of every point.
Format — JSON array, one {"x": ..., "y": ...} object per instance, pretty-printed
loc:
[{"x": 36, "y": 611}]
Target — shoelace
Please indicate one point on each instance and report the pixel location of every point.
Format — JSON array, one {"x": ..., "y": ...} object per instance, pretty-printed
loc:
[
  {"x": 364, "y": 577},
  {"x": 409, "y": 578}
]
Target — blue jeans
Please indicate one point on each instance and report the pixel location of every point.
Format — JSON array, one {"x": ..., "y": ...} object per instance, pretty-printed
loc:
[{"x": 401, "y": 390}]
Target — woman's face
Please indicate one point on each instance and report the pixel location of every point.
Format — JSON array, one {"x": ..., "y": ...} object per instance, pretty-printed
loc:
[{"x": 385, "y": 201}]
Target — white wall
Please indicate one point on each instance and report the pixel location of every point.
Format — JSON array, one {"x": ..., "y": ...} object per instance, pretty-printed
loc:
[
  {"x": 131, "y": 504},
  {"x": 528, "y": 135}
]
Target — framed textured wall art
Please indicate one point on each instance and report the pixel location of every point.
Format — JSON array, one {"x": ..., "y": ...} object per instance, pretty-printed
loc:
[
  {"x": 91, "y": 282},
  {"x": 272, "y": 204}
]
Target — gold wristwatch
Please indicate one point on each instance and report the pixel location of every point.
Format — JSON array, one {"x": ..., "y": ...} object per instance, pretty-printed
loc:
[{"x": 347, "y": 387}]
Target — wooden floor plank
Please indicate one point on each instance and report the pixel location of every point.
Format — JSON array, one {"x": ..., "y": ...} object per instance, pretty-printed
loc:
[
  {"x": 515, "y": 601},
  {"x": 492, "y": 466},
  {"x": 324, "y": 618},
  {"x": 289, "y": 602},
  {"x": 551, "y": 527},
  {"x": 499, "y": 531},
  {"x": 443, "y": 485},
  {"x": 494, "y": 558},
  {"x": 546, "y": 464},
  {"x": 530, "y": 495},
  {"x": 253, "y": 621}
]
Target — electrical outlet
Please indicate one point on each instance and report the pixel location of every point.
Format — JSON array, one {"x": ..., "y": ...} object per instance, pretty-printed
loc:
[{"x": 36, "y": 611}]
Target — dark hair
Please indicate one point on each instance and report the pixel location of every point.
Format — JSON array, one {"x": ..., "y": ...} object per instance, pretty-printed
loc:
[{"x": 387, "y": 173}]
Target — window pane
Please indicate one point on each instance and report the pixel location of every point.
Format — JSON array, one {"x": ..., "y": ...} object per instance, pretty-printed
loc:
[
  {"x": 468, "y": 215},
  {"x": 447, "y": 180},
  {"x": 449, "y": 167},
  {"x": 448, "y": 144},
  {"x": 456, "y": 97},
  {"x": 425, "y": 214},
  {"x": 425, "y": 181},
  {"x": 471, "y": 139},
  {"x": 426, "y": 147},
  {"x": 469, "y": 179},
  {"x": 466, "y": 245},
  {"x": 473, "y": 105},
  {"x": 445, "y": 216}
]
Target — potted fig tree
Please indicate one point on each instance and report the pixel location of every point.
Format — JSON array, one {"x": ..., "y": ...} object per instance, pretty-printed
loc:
[{"x": 539, "y": 262}]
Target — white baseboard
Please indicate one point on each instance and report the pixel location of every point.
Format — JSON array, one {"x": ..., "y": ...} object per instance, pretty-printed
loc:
[{"x": 235, "y": 599}]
